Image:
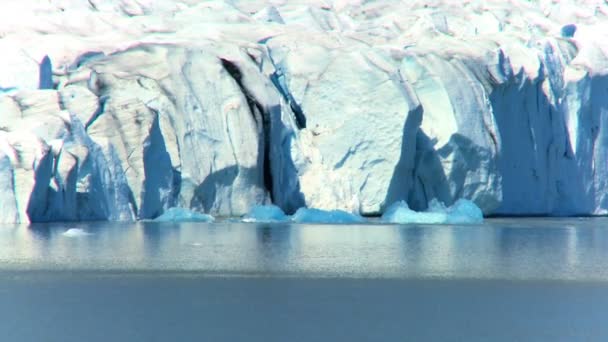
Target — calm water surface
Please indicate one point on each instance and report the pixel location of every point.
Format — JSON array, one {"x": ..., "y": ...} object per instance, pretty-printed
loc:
[
  {"x": 505, "y": 280},
  {"x": 562, "y": 249}
]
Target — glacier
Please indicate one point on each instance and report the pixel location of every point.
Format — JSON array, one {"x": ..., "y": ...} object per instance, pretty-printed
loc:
[{"x": 121, "y": 110}]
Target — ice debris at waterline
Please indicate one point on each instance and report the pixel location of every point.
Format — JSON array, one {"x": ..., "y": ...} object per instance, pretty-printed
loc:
[
  {"x": 75, "y": 232},
  {"x": 463, "y": 211},
  {"x": 272, "y": 213},
  {"x": 265, "y": 213},
  {"x": 183, "y": 215},
  {"x": 314, "y": 215}
]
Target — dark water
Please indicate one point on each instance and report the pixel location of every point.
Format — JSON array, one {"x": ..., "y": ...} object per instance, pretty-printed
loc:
[{"x": 505, "y": 280}]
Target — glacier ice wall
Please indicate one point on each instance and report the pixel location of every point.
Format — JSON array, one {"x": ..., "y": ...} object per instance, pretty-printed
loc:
[
  {"x": 356, "y": 121},
  {"x": 120, "y": 110}
]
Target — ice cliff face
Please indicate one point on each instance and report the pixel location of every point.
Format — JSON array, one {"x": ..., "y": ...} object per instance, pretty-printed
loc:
[{"x": 119, "y": 110}]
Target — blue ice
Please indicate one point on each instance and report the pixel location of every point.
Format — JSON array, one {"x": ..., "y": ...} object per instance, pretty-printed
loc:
[
  {"x": 463, "y": 211},
  {"x": 313, "y": 215},
  {"x": 183, "y": 215},
  {"x": 265, "y": 213}
]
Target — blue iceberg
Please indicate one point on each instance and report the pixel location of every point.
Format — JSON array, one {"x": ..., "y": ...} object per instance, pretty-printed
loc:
[
  {"x": 265, "y": 213},
  {"x": 183, "y": 215},
  {"x": 463, "y": 211},
  {"x": 313, "y": 215},
  {"x": 399, "y": 212}
]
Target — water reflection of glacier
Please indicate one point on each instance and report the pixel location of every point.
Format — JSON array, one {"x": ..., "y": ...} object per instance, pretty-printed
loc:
[{"x": 500, "y": 248}]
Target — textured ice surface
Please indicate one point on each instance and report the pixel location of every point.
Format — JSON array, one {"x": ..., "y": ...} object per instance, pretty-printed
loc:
[
  {"x": 463, "y": 211},
  {"x": 119, "y": 110},
  {"x": 183, "y": 215},
  {"x": 313, "y": 215},
  {"x": 265, "y": 213}
]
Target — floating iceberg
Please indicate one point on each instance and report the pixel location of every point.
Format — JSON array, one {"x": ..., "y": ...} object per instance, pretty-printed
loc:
[
  {"x": 183, "y": 215},
  {"x": 313, "y": 215},
  {"x": 265, "y": 213},
  {"x": 463, "y": 211},
  {"x": 75, "y": 232}
]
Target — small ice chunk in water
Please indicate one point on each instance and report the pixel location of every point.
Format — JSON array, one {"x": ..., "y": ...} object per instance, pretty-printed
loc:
[
  {"x": 183, "y": 215},
  {"x": 265, "y": 213},
  {"x": 313, "y": 215},
  {"x": 75, "y": 232},
  {"x": 463, "y": 211}
]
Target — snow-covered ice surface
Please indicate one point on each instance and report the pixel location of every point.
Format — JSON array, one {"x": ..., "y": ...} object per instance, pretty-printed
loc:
[{"x": 120, "y": 110}]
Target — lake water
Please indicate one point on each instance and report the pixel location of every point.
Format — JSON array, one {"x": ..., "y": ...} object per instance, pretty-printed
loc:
[{"x": 505, "y": 280}]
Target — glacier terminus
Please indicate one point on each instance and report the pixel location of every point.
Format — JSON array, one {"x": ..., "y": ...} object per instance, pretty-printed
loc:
[{"x": 123, "y": 109}]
